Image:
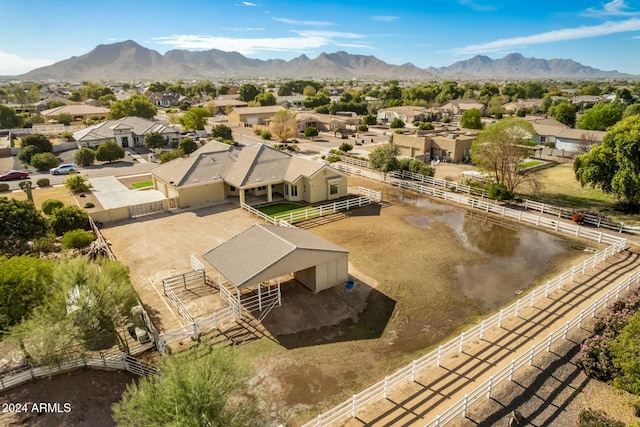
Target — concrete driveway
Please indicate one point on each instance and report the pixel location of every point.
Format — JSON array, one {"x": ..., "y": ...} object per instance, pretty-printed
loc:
[{"x": 113, "y": 194}]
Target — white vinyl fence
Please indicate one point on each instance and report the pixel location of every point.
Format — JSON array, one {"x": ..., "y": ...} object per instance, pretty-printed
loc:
[
  {"x": 506, "y": 373},
  {"x": 349, "y": 408}
]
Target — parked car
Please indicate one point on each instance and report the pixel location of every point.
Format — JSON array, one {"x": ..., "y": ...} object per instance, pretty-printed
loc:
[
  {"x": 14, "y": 175},
  {"x": 64, "y": 169}
]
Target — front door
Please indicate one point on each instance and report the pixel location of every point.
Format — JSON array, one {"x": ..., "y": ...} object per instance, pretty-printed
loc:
[{"x": 125, "y": 141}]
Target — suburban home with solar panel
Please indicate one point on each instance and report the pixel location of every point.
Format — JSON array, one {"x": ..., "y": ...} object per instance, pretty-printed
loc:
[{"x": 217, "y": 171}]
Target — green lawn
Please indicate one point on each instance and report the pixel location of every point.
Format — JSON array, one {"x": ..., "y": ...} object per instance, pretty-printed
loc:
[
  {"x": 279, "y": 208},
  {"x": 560, "y": 188},
  {"x": 142, "y": 184},
  {"x": 529, "y": 164}
]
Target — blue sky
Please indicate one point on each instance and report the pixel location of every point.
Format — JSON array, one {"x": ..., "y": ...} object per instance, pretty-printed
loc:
[{"x": 601, "y": 34}]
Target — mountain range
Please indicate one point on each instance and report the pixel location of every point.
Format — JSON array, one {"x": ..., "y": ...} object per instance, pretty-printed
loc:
[{"x": 126, "y": 61}]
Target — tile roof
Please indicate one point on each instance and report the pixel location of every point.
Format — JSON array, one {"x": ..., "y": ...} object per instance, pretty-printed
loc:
[{"x": 138, "y": 126}]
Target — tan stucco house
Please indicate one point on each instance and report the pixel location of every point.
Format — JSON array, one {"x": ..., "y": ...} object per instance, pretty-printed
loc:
[
  {"x": 218, "y": 171},
  {"x": 447, "y": 146},
  {"x": 247, "y": 116},
  {"x": 126, "y": 132},
  {"x": 79, "y": 112}
]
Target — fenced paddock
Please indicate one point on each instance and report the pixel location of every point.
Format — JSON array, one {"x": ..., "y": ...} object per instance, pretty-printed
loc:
[{"x": 115, "y": 362}]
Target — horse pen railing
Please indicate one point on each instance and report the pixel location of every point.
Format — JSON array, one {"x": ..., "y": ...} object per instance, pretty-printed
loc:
[
  {"x": 348, "y": 408},
  {"x": 317, "y": 211},
  {"x": 120, "y": 361},
  {"x": 507, "y": 372}
]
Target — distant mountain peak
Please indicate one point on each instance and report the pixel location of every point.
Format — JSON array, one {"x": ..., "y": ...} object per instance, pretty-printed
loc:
[{"x": 128, "y": 60}]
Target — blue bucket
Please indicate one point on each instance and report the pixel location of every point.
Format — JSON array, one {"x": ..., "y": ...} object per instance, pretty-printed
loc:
[{"x": 350, "y": 284}]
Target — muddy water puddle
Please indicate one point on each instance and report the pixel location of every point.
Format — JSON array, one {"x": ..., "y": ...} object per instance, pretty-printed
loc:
[{"x": 514, "y": 256}]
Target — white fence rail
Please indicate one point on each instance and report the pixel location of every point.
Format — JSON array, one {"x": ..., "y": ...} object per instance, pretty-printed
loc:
[
  {"x": 122, "y": 361},
  {"x": 317, "y": 211},
  {"x": 375, "y": 196},
  {"x": 506, "y": 373},
  {"x": 379, "y": 390}
]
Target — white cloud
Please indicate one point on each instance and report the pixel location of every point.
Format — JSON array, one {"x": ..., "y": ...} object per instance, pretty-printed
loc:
[
  {"x": 583, "y": 32},
  {"x": 477, "y": 7},
  {"x": 306, "y": 23},
  {"x": 385, "y": 18},
  {"x": 613, "y": 8},
  {"x": 246, "y": 3},
  {"x": 305, "y": 40},
  {"x": 11, "y": 64}
]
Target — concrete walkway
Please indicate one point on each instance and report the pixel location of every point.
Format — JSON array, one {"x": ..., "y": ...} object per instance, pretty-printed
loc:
[
  {"x": 437, "y": 388},
  {"x": 113, "y": 194}
]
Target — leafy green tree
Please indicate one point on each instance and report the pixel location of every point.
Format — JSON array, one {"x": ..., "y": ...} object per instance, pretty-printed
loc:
[
  {"x": 265, "y": 134},
  {"x": 187, "y": 145},
  {"x": 416, "y": 166},
  {"x": 154, "y": 140},
  {"x": 109, "y": 152},
  {"x": 203, "y": 386},
  {"x": 316, "y": 101},
  {"x": 39, "y": 141},
  {"x": 169, "y": 155},
  {"x": 310, "y": 132},
  {"x": 370, "y": 120},
  {"x": 600, "y": 117},
  {"x": 266, "y": 98},
  {"x": 592, "y": 89},
  {"x": 137, "y": 106},
  {"x": 385, "y": 158},
  {"x": 346, "y": 147},
  {"x": 44, "y": 161},
  {"x": 564, "y": 113},
  {"x": 85, "y": 156},
  {"x": 309, "y": 91},
  {"x": 75, "y": 96},
  {"x": 8, "y": 117},
  {"x": 195, "y": 118},
  {"x": 625, "y": 352},
  {"x": 68, "y": 218},
  {"x": 614, "y": 166},
  {"x": 500, "y": 148},
  {"x": 107, "y": 99},
  {"x": 77, "y": 239},
  {"x": 77, "y": 183},
  {"x": 24, "y": 282},
  {"x": 631, "y": 110},
  {"x": 471, "y": 119},
  {"x": 397, "y": 124},
  {"x": 222, "y": 133},
  {"x": 534, "y": 89},
  {"x": 546, "y": 103},
  {"x": 248, "y": 92},
  {"x": 284, "y": 125},
  {"x": 90, "y": 304},
  {"x": 21, "y": 223},
  {"x": 26, "y": 153},
  {"x": 64, "y": 119}
]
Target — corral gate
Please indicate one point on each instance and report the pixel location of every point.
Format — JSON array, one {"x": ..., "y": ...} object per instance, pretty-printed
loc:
[{"x": 146, "y": 208}]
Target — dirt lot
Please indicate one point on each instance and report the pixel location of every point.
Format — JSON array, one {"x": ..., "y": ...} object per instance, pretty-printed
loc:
[
  {"x": 403, "y": 305},
  {"x": 89, "y": 393}
]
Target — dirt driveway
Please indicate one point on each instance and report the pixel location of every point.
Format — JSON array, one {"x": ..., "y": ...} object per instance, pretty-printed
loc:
[{"x": 159, "y": 246}]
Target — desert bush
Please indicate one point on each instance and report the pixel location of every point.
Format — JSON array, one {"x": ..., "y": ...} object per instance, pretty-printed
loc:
[
  {"x": 265, "y": 134},
  {"x": 89, "y": 205},
  {"x": 77, "y": 183},
  {"x": 595, "y": 357},
  {"x": 596, "y": 418},
  {"x": 68, "y": 218},
  {"x": 43, "y": 182},
  {"x": 45, "y": 243},
  {"x": 77, "y": 239},
  {"x": 4, "y": 186},
  {"x": 85, "y": 156},
  {"x": 345, "y": 146},
  {"x": 363, "y": 128},
  {"x": 499, "y": 192},
  {"x": 44, "y": 161},
  {"x": 50, "y": 204}
]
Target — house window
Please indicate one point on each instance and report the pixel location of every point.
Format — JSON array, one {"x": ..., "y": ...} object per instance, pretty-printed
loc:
[
  {"x": 232, "y": 188},
  {"x": 294, "y": 190},
  {"x": 286, "y": 189},
  {"x": 333, "y": 188}
]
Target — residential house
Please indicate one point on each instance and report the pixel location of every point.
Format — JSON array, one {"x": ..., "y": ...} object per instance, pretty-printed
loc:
[
  {"x": 218, "y": 171},
  {"x": 325, "y": 122},
  {"x": 221, "y": 105},
  {"x": 167, "y": 99},
  {"x": 456, "y": 107},
  {"x": 247, "y": 116},
  {"x": 550, "y": 131},
  {"x": 45, "y": 104},
  {"x": 529, "y": 105},
  {"x": 292, "y": 101},
  {"x": 79, "y": 112},
  {"x": 126, "y": 132},
  {"x": 407, "y": 114},
  {"x": 449, "y": 146}
]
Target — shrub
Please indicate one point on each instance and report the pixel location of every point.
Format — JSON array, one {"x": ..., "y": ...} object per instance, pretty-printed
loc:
[
  {"x": 45, "y": 243},
  {"x": 67, "y": 135},
  {"x": 310, "y": 132},
  {"x": 333, "y": 158},
  {"x": 168, "y": 155},
  {"x": 89, "y": 205},
  {"x": 43, "y": 182},
  {"x": 499, "y": 192},
  {"x": 425, "y": 126},
  {"x": 44, "y": 161},
  {"x": 446, "y": 120},
  {"x": 4, "y": 186},
  {"x": 77, "y": 239},
  {"x": 595, "y": 357},
  {"x": 596, "y": 418},
  {"x": 50, "y": 204},
  {"x": 346, "y": 147},
  {"x": 25, "y": 153},
  {"x": 22, "y": 184},
  {"x": 187, "y": 145},
  {"x": 265, "y": 134},
  {"x": 77, "y": 183},
  {"x": 257, "y": 132},
  {"x": 68, "y": 218},
  {"x": 85, "y": 156},
  {"x": 396, "y": 124},
  {"x": 109, "y": 151},
  {"x": 363, "y": 128}
]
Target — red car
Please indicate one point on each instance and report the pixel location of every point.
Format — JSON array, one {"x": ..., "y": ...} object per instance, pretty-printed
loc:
[{"x": 14, "y": 175}]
